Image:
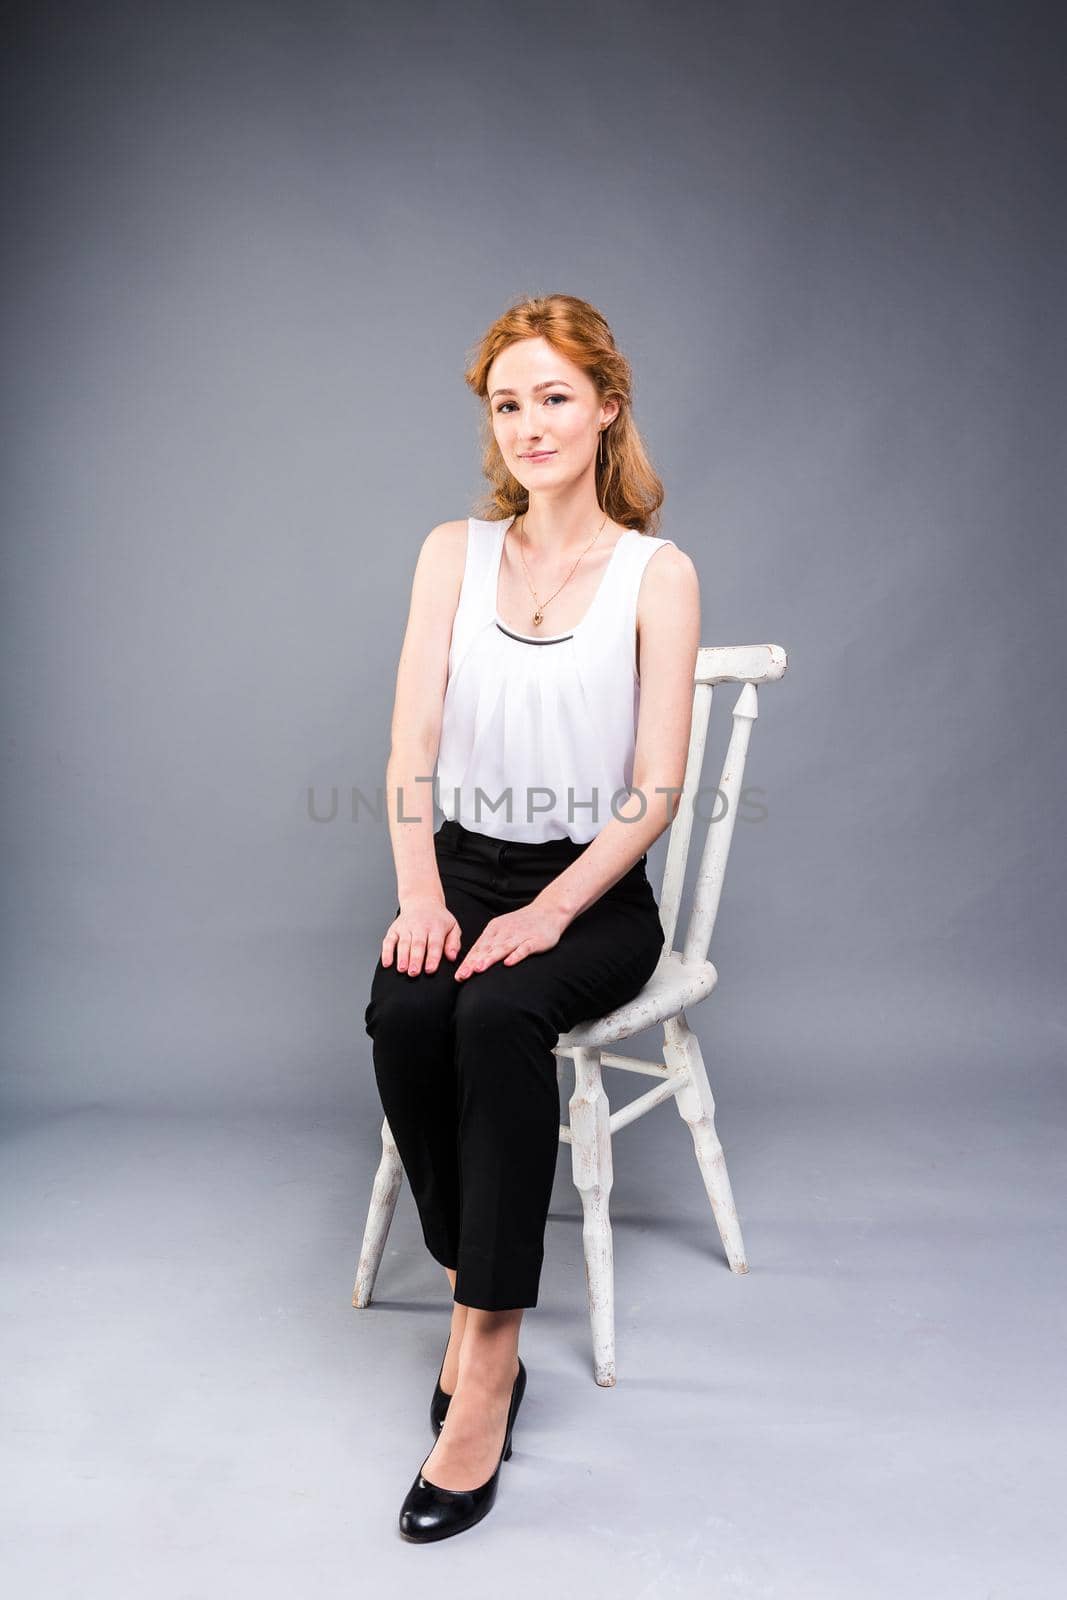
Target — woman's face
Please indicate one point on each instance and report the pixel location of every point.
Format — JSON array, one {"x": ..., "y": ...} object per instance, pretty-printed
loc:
[{"x": 546, "y": 414}]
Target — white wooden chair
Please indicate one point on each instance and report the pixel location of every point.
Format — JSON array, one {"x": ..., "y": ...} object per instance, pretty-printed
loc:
[{"x": 682, "y": 978}]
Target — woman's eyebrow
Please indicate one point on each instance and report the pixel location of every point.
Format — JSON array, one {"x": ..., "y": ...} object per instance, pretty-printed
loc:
[{"x": 553, "y": 383}]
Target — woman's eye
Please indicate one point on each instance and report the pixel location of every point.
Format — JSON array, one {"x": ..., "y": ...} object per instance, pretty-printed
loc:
[{"x": 506, "y": 404}]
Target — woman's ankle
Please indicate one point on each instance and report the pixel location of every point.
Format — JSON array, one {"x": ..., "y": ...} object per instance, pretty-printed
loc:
[{"x": 450, "y": 1365}]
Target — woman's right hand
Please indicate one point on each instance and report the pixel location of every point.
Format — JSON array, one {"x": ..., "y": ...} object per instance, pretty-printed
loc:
[{"x": 424, "y": 928}]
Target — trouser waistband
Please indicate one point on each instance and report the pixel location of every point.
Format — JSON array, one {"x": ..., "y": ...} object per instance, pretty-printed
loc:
[{"x": 484, "y": 847}]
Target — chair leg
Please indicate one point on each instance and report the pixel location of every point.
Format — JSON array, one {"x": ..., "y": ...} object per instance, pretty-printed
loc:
[
  {"x": 592, "y": 1168},
  {"x": 387, "y": 1181},
  {"x": 696, "y": 1106}
]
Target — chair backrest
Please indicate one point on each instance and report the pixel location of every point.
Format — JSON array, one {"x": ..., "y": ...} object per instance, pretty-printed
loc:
[{"x": 748, "y": 665}]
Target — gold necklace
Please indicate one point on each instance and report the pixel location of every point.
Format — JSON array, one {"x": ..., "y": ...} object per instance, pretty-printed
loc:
[{"x": 538, "y": 615}]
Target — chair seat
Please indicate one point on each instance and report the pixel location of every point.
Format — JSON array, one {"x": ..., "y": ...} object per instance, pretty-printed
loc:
[{"x": 674, "y": 984}]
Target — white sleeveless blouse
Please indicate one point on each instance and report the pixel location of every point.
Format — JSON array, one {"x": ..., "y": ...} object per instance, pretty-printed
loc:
[{"x": 538, "y": 733}]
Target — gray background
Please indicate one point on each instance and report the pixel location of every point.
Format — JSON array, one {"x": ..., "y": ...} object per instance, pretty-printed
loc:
[{"x": 250, "y": 247}]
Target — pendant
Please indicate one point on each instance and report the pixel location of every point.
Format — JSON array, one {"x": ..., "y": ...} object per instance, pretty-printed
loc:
[{"x": 537, "y": 616}]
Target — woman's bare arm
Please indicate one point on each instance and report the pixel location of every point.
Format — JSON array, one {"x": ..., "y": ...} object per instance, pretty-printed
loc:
[{"x": 421, "y": 680}]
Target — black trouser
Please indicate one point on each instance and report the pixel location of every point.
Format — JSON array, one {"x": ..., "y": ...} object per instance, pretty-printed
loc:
[{"x": 465, "y": 1070}]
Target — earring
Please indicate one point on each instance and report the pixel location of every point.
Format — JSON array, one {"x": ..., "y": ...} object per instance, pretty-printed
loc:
[{"x": 600, "y": 448}]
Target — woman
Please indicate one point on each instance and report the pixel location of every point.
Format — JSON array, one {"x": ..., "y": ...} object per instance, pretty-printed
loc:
[{"x": 530, "y": 909}]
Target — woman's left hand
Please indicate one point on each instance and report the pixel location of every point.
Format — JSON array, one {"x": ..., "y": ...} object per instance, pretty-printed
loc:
[{"x": 512, "y": 937}]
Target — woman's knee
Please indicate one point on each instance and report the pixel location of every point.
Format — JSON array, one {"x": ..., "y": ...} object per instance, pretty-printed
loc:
[
  {"x": 403, "y": 1007},
  {"x": 494, "y": 1009}
]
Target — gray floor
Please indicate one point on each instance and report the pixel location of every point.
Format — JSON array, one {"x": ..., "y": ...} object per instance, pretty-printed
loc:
[{"x": 193, "y": 1408}]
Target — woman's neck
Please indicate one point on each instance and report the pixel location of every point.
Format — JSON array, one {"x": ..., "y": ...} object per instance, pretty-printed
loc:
[{"x": 556, "y": 527}]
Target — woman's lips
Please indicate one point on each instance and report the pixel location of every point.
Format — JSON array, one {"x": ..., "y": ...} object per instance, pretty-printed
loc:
[{"x": 541, "y": 455}]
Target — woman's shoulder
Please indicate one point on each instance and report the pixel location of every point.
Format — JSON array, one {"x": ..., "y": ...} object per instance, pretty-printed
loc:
[
  {"x": 670, "y": 583},
  {"x": 671, "y": 566},
  {"x": 448, "y": 533},
  {"x": 444, "y": 548}
]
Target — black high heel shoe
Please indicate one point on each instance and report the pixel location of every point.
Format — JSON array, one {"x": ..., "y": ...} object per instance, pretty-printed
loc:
[
  {"x": 430, "y": 1512},
  {"x": 439, "y": 1402}
]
